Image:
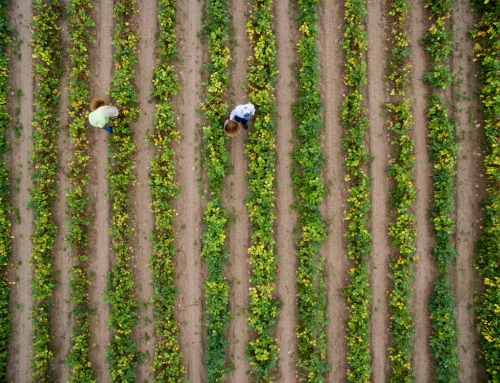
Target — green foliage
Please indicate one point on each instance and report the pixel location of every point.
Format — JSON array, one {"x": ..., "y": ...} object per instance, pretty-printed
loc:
[
  {"x": 355, "y": 122},
  {"x": 307, "y": 162},
  {"x": 216, "y": 163},
  {"x": 77, "y": 198},
  {"x": 47, "y": 71},
  {"x": 122, "y": 354},
  {"x": 486, "y": 35},
  {"x": 167, "y": 365},
  {"x": 5, "y": 207},
  {"x": 260, "y": 148},
  {"x": 443, "y": 153},
  {"x": 403, "y": 195}
]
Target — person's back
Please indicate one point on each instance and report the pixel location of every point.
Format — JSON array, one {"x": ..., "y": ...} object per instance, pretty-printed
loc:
[
  {"x": 242, "y": 113},
  {"x": 99, "y": 118}
]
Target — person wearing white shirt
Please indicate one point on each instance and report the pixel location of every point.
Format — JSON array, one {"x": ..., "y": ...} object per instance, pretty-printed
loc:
[{"x": 243, "y": 114}]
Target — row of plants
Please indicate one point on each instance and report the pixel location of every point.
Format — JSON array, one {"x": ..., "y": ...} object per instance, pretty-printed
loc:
[
  {"x": 166, "y": 365},
  {"x": 355, "y": 122},
  {"x": 5, "y": 207},
  {"x": 486, "y": 37},
  {"x": 260, "y": 148},
  {"x": 79, "y": 23},
  {"x": 443, "y": 154},
  {"x": 216, "y": 164},
  {"x": 47, "y": 71},
  {"x": 122, "y": 356},
  {"x": 307, "y": 163},
  {"x": 402, "y": 195}
]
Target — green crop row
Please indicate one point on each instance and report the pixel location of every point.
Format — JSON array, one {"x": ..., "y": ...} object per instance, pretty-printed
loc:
[
  {"x": 47, "y": 71},
  {"x": 5, "y": 208},
  {"x": 122, "y": 352},
  {"x": 403, "y": 195},
  {"x": 443, "y": 154},
  {"x": 216, "y": 163},
  {"x": 167, "y": 365},
  {"x": 307, "y": 162},
  {"x": 354, "y": 120},
  {"x": 262, "y": 350},
  {"x": 486, "y": 35},
  {"x": 77, "y": 198}
]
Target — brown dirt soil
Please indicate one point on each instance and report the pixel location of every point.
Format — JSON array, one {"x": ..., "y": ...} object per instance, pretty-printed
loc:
[
  {"x": 101, "y": 67},
  {"x": 286, "y": 219},
  {"x": 189, "y": 205},
  {"x": 334, "y": 248},
  {"x": 379, "y": 140},
  {"x": 470, "y": 191},
  {"x": 424, "y": 277},
  {"x": 20, "y": 78},
  {"x": 235, "y": 193},
  {"x": 141, "y": 216}
]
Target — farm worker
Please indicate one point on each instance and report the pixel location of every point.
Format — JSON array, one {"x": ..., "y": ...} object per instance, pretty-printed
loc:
[
  {"x": 101, "y": 113},
  {"x": 243, "y": 113}
]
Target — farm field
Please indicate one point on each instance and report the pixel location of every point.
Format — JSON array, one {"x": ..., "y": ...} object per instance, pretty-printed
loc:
[{"x": 333, "y": 241}]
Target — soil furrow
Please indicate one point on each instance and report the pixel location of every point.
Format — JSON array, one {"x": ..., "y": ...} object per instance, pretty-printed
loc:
[
  {"x": 470, "y": 191},
  {"x": 189, "y": 205},
  {"x": 334, "y": 248},
  {"x": 380, "y": 151},
  {"x": 22, "y": 88},
  {"x": 424, "y": 277},
  {"x": 60, "y": 320},
  {"x": 235, "y": 193},
  {"x": 286, "y": 219},
  {"x": 101, "y": 66},
  {"x": 141, "y": 216}
]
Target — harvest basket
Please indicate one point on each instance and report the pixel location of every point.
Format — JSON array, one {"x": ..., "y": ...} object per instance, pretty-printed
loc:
[
  {"x": 96, "y": 103},
  {"x": 232, "y": 128}
]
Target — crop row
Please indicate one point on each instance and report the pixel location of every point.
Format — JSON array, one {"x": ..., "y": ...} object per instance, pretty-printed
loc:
[
  {"x": 77, "y": 197},
  {"x": 216, "y": 163},
  {"x": 443, "y": 154},
  {"x": 260, "y": 147},
  {"x": 403, "y": 195},
  {"x": 5, "y": 208},
  {"x": 167, "y": 365},
  {"x": 486, "y": 34},
  {"x": 122, "y": 356},
  {"x": 47, "y": 72},
  {"x": 354, "y": 120},
  {"x": 307, "y": 162}
]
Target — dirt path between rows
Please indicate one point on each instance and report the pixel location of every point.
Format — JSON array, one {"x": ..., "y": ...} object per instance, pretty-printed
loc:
[
  {"x": 62, "y": 259},
  {"x": 20, "y": 80},
  {"x": 235, "y": 193},
  {"x": 380, "y": 149},
  {"x": 101, "y": 67},
  {"x": 424, "y": 278},
  {"x": 190, "y": 205},
  {"x": 334, "y": 249},
  {"x": 286, "y": 220},
  {"x": 470, "y": 191},
  {"x": 141, "y": 216}
]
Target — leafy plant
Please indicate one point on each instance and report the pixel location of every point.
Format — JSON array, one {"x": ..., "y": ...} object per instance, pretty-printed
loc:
[
  {"x": 260, "y": 148},
  {"x": 487, "y": 49},
  {"x": 167, "y": 359},
  {"x": 47, "y": 71},
  {"x": 355, "y": 122},
  {"x": 443, "y": 153},
  {"x": 307, "y": 162},
  {"x": 216, "y": 163},
  {"x": 77, "y": 199}
]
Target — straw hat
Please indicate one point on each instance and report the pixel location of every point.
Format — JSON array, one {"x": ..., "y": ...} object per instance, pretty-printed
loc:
[{"x": 96, "y": 103}]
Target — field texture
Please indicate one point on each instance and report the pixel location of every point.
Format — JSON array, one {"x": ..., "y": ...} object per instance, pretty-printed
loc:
[{"x": 352, "y": 234}]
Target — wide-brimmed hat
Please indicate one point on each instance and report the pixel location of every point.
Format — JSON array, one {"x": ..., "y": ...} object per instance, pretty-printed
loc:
[{"x": 96, "y": 103}]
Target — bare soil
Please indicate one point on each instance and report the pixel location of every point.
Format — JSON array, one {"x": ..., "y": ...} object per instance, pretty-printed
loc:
[{"x": 190, "y": 205}]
